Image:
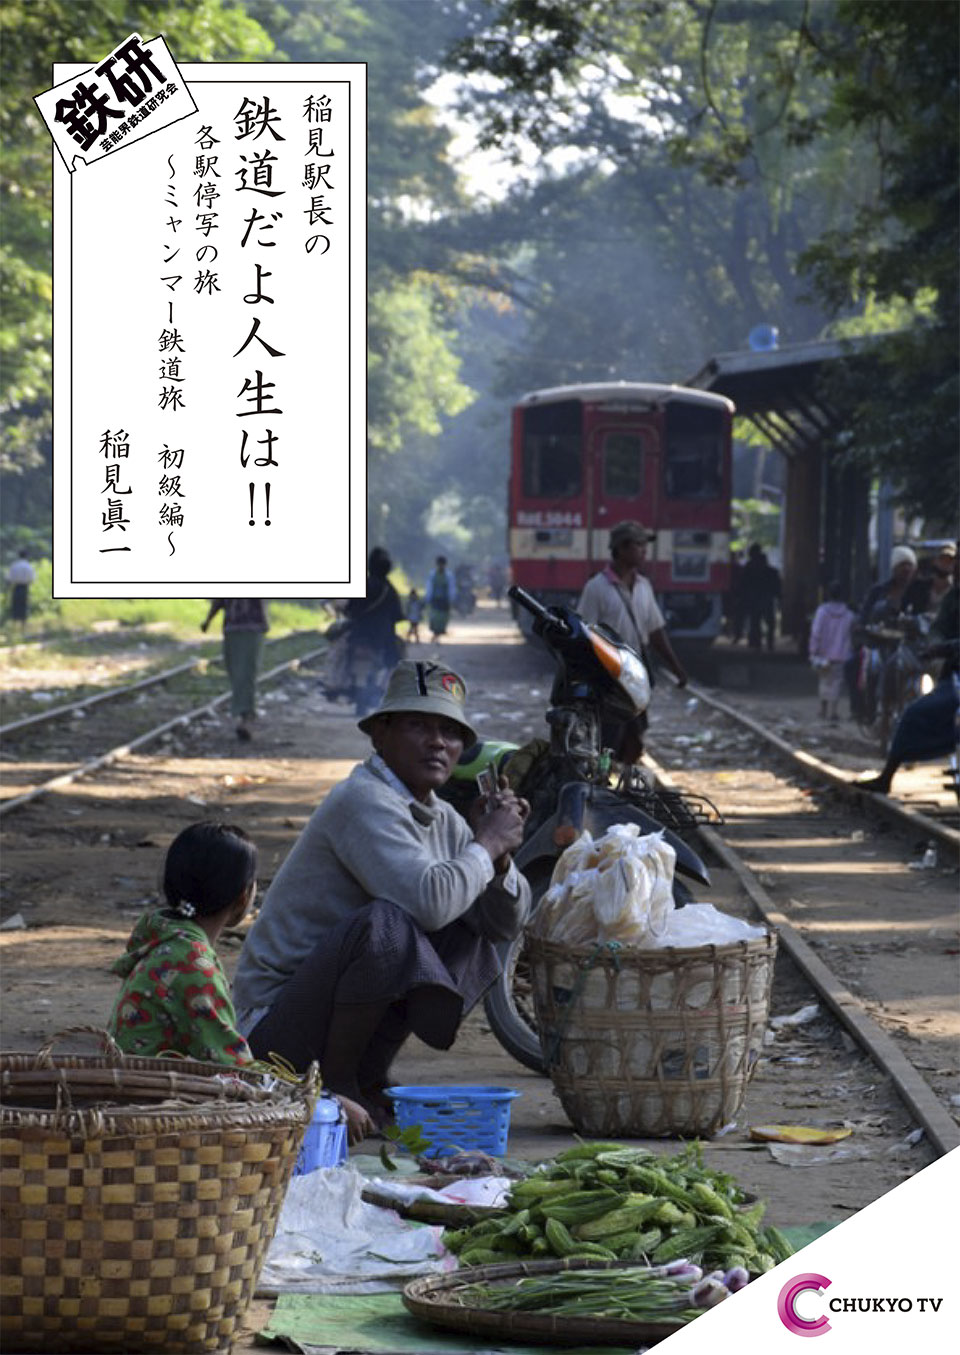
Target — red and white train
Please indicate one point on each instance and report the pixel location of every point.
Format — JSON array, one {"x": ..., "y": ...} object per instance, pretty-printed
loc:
[{"x": 585, "y": 457}]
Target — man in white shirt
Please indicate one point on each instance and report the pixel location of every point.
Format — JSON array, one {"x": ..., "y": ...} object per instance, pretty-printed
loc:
[
  {"x": 20, "y": 576},
  {"x": 621, "y": 597}
]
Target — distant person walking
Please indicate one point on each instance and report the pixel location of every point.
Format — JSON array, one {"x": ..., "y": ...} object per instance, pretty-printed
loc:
[
  {"x": 497, "y": 581},
  {"x": 20, "y": 576},
  {"x": 414, "y": 614},
  {"x": 831, "y": 648},
  {"x": 438, "y": 597},
  {"x": 244, "y": 626},
  {"x": 373, "y": 645}
]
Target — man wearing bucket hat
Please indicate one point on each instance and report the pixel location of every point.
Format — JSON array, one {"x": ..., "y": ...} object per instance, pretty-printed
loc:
[
  {"x": 621, "y": 597},
  {"x": 383, "y": 918}
]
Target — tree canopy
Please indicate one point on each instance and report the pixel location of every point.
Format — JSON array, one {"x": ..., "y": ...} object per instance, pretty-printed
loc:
[
  {"x": 684, "y": 169},
  {"x": 768, "y": 157}
]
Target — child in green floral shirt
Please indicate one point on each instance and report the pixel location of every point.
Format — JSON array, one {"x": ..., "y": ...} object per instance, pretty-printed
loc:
[{"x": 175, "y": 996}]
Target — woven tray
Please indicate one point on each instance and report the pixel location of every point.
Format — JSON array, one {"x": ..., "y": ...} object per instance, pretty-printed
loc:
[
  {"x": 439, "y": 1300},
  {"x": 136, "y": 1215}
]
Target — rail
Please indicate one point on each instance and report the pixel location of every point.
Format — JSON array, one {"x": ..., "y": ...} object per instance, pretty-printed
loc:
[{"x": 151, "y": 735}]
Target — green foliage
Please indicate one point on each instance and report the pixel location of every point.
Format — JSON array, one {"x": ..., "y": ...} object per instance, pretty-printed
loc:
[
  {"x": 814, "y": 140},
  {"x": 896, "y": 77},
  {"x": 410, "y": 1139},
  {"x": 754, "y": 520},
  {"x": 412, "y": 372}
]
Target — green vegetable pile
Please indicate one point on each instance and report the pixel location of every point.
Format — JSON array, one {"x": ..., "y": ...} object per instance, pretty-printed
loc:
[
  {"x": 638, "y": 1294},
  {"x": 602, "y": 1200}
]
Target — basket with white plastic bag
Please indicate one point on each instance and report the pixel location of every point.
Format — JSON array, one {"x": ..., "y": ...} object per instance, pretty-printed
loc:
[{"x": 651, "y": 1017}]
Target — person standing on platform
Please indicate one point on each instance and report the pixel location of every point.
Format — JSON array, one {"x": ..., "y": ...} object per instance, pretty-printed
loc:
[
  {"x": 830, "y": 648},
  {"x": 771, "y": 601},
  {"x": 621, "y": 597},
  {"x": 244, "y": 626},
  {"x": 733, "y": 600},
  {"x": 761, "y": 588}
]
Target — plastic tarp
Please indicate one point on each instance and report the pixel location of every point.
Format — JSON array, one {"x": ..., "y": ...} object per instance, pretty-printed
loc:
[{"x": 329, "y": 1241}]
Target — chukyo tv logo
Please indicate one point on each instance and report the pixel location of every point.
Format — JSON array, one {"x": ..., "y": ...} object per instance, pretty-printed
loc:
[{"x": 819, "y": 1326}]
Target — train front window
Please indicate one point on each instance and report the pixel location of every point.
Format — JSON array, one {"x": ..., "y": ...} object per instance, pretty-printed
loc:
[
  {"x": 694, "y": 455},
  {"x": 622, "y": 465},
  {"x": 552, "y": 456}
]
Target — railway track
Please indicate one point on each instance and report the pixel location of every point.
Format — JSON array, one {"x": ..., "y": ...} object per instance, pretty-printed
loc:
[
  {"x": 796, "y": 829},
  {"x": 167, "y": 706},
  {"x": 912, "y": 807}
]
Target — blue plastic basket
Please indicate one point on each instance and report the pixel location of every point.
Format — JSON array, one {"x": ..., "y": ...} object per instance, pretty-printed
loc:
[
  {"x": 325, "y": 1142},
  {"x": 459, "y": 1117}
]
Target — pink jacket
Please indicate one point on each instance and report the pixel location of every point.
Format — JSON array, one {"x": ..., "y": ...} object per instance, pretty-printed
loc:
[{"x": 830, "y": 632}]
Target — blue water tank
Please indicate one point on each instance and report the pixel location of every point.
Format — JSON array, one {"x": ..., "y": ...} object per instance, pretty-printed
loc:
[{"x": 763, "y": 338}]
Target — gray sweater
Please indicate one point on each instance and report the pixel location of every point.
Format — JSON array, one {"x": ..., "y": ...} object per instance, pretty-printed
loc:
[{"x": 367, "y": 841}]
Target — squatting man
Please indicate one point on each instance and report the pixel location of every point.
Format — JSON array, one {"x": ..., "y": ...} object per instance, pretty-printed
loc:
[{"x": 383, "y": 918}]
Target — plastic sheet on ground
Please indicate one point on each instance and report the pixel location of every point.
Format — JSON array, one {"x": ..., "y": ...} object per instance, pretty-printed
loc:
[
  {"x": 488, "y": 1191},
  {"x": 330, "y": 1241}
]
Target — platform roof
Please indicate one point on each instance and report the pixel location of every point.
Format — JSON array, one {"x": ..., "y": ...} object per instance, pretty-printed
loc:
[{"x": 780, "y": 390}]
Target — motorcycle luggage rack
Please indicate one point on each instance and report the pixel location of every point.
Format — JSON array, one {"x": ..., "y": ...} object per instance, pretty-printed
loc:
[{"x": 679, "y": 810}]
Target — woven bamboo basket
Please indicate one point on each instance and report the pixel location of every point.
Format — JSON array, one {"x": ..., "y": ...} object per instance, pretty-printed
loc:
[
  {"x": 137, "y": 1198},
  {"x": 651, "y": 1043}
]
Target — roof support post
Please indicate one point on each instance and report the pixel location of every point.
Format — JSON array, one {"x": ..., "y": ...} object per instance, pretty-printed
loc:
[{"x": 801, "y": 543}]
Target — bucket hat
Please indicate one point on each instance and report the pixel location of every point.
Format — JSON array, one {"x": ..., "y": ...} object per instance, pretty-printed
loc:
[
  {"x": 624, "y": 532},
  {"x": 427, "y": 689}
]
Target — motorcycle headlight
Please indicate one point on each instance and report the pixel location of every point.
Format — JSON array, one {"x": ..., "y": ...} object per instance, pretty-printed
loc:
[{"x": 634, "y": 679}]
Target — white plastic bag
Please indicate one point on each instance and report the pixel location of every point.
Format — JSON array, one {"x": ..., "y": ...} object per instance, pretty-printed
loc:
[
  {"x": 701, "y": 924},
  {"x": 617, "y": 888}
]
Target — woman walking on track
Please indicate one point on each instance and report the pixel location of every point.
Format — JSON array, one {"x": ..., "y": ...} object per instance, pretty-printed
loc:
[
  {"x": 438, "y": 598},
  {"x": 244, "y": 626}
]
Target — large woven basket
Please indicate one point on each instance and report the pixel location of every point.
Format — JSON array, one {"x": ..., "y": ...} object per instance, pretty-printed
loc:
[
  {"x": 651, "y": 1043},
  {"x": 137, "y": 1198}
]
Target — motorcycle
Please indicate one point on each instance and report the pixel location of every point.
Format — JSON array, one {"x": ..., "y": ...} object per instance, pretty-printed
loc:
[
  {"x": 892, "y": 670},
  {"x": 573, "y": 785}
]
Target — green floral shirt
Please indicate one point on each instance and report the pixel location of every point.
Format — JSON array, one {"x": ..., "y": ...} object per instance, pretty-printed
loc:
[{"x": 175, "y": 996}]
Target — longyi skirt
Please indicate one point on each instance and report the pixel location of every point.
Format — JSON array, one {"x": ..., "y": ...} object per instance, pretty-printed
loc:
[{"x": 430, "y": 980}]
